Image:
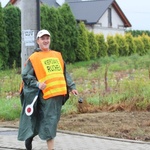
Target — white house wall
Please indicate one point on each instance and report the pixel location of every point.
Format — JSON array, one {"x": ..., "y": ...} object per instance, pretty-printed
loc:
[
  {"x": 105, "y": 31},
  {"x": 104, "y": 20},
  {"x": 18, "y": 4},
  {"x": 116, "y": 20},
  {"x": 102, "y": 25}
]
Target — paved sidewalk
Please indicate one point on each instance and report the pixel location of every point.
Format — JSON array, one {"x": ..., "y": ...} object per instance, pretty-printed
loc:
[{"x": 70, "y": 141}]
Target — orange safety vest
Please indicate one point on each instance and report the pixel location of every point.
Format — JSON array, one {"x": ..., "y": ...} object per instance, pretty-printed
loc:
[{"x": 49, "y": 68}]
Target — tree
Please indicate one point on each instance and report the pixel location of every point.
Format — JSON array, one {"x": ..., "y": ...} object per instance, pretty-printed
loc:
[
  {"x": 123, "y": 48},
  {"x": 12, "y": 17},
  {"x": 4, "y": 53},
  {"x": 146, "y": 41},
  {"x": 49, "y": 22},
  {"x": 131, "y": 44},
  {"x": 53, "y": 26},
  {"x": 102, "y": 46},
  {"x": 82, "y": 50},
  {"x": 112, "y": 46},
  {"x": 93, "y": 45},
  {"x": 139, "y": 46},
  {"x": 60, "y": 42},
  {"x": 136, "y": 33},
  {"x": 70, "y": 32},
  {"x": 44, "y": 12}
]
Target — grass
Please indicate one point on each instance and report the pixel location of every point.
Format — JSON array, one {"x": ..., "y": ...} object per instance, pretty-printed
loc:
[
  {"x": 102, "y": 82},
  {"x": 10, "y": 109}
]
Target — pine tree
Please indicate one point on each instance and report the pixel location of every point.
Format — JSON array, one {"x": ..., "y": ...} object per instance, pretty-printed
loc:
[
  {"x": 102, "y": 45},
  {"x": 4, "y": 53},
  {"x": 131, "y": 44},
  {"x": 60, "y": 38},
  {"x": 53, "y": 26},
  {"x": 146, "y": 41},
  {"x": 44, "y": 11},
  {"x": 12, "y": 17},
  {"x": 93, "y": 45},
  {"x": 70, "y": 32},
  {"x": 139, "y": 45},
  {"x": 112, "y": 46},
  {"x": 83, "y": 46},
  {"x": 123, "y": 47}
]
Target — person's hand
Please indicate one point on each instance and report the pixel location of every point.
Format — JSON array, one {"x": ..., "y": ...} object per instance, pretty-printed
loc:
[
  {"x": 42, "y": 85},
  {"x": 74, "y": 92}
]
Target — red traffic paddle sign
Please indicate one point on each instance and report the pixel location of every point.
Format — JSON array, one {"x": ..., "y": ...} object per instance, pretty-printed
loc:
[{"x": 29, "y": 108}]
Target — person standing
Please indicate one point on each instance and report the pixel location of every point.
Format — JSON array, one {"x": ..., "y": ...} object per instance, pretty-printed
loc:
[{"x": 45, "y": 71}]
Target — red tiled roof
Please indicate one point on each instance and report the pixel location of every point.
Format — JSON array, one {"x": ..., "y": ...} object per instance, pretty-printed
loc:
[{"x": 12, "y": 1}]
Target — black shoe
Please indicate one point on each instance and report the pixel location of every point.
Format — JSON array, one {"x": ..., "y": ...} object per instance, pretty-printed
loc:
[{"x": 28, "y": 143}]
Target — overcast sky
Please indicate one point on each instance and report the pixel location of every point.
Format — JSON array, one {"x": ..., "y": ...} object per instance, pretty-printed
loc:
[{"x": 137, "y": 12}]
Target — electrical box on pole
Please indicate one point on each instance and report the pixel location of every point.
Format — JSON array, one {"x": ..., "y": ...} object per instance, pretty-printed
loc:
[{"x": 30, "y": 24}]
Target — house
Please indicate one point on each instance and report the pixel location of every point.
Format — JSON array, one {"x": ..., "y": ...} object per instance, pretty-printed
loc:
[{"x": 99, "y": 16}]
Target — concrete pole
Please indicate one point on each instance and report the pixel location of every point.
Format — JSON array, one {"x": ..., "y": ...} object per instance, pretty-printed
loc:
[{"x": 30, "y": 25}]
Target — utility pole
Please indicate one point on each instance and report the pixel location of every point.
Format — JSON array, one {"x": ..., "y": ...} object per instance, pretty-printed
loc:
[{"x": 30, "y": 25}]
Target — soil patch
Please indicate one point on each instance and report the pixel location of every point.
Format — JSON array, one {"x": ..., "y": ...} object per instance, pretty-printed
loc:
[{"x": 127, "y": 125}]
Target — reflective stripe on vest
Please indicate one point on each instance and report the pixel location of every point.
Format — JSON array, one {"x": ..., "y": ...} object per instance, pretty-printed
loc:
[{"x": 49, "y": 68}]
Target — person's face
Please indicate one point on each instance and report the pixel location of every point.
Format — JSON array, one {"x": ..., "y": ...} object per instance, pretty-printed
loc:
[{"x": 44, "y": 42}]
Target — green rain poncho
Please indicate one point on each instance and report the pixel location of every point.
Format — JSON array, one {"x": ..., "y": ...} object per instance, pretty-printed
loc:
[{"x": 44, "y": 120}]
